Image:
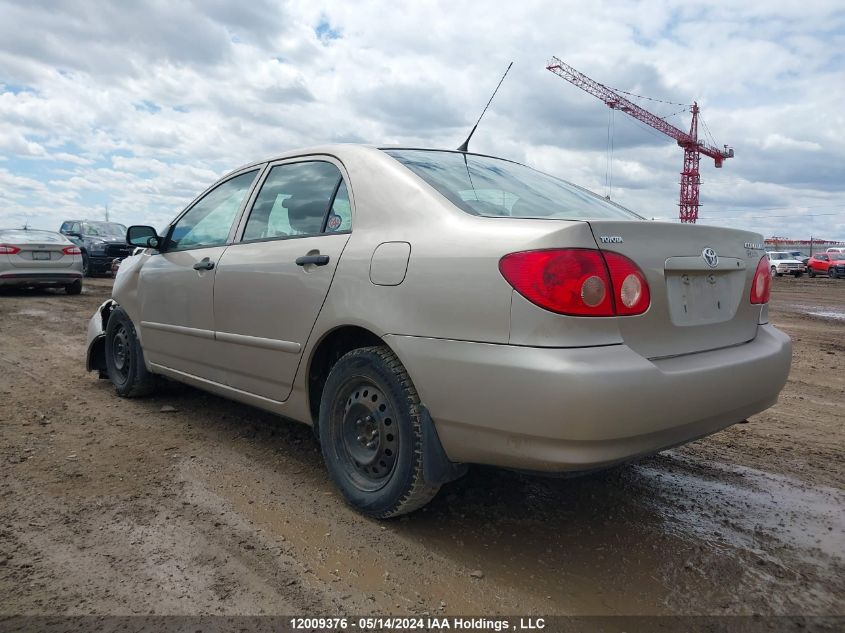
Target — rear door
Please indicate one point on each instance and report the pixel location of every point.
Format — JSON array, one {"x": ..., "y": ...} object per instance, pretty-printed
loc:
[
  {"x": 700, "y": 282},
  {"x": 176, "y": 287},
  {"x": 271, "y": 284}
]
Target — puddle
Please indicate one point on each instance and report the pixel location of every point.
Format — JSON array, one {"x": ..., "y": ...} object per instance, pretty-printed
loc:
[
  {"x": 748, "y": 508},
  {"x": 819, "y": 311},
  {"x": 829, "y": 314}
]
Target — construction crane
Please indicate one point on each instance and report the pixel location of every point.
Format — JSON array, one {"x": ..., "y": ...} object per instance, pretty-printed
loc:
[{"x": 693, "y": 148}]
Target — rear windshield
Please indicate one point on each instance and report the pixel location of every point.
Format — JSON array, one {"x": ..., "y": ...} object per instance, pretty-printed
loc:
[
  {"x": 30, "y": 235},
  {"x": 492, "y": 187}
]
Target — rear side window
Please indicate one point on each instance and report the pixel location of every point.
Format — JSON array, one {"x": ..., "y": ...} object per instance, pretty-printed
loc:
[
  {"x": 492, "y": 187},
  {"x": 299, "y": 199}
]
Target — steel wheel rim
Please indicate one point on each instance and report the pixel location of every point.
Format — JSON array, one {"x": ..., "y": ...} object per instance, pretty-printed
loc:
[
  {"x": 368, "y": 437},
  {"x": 121, "y": 353}
]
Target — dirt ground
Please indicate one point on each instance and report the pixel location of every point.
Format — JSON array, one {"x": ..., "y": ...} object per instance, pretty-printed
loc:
[{"x": 185, "y": 503}]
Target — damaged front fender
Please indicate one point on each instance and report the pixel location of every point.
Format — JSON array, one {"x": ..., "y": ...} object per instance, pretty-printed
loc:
[{"x": 96, "y": 357}]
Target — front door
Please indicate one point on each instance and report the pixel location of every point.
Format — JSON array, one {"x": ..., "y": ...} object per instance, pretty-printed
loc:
[
  {"x": 176, "y": 289},
  {"x": 271, "y": 284}
]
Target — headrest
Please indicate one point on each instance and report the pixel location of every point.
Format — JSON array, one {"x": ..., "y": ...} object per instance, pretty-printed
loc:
[{"x": 305, "y": 216}]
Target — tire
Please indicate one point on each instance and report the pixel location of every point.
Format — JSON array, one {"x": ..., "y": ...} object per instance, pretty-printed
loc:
[
  {"x": 774, "y": 272},
  {"x": 812, "y": 273},
  {"x": 86, "y": 265},
  {"x": 125, "y": 359},
  {"x": 831, "y": 272},
  {"x": 75, "y": 288},
  {"x": 798, "y": 274},
  {"x": 371, "y": 435}
]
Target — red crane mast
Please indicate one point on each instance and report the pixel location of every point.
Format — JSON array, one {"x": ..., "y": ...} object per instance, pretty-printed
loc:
[{"x": 693, "y": 148}]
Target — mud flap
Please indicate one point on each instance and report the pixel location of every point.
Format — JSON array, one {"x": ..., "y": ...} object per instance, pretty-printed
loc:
[{"x": 437, "y": 469}]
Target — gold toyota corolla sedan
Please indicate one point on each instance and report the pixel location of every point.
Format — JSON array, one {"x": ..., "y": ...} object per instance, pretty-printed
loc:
[{"x": 425, "y": 309}]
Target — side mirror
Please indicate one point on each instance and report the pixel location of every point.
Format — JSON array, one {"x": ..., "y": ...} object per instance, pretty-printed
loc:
[{"x": 143, "y": 236}]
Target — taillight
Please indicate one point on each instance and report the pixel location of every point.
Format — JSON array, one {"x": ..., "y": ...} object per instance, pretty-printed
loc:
[
  {"x": 6, "y": 249},
  {"x": 71, "y": 250},
  {"x": 631, "y": 289},
  {"x": 761, "y": 287},
  {"x": 578, "y": 281}
]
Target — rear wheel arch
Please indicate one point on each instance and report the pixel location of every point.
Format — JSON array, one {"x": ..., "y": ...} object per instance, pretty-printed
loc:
[{"x": 331, "y": 348}]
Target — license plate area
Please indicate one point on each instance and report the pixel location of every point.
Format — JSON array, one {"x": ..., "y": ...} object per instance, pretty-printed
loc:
[
  {"x": 699, "y": 298},
  {"x": 41, "y": 255}
]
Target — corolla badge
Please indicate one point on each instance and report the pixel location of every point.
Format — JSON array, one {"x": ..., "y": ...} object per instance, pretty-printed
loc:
[{"x": 710, "y": 257}]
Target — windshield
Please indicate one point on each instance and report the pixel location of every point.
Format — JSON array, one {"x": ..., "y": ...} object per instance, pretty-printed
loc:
[
  {"x": 104, "y": 229},
  {"x": 492, "y": 187},
  {"x": 780, "y": 256}
]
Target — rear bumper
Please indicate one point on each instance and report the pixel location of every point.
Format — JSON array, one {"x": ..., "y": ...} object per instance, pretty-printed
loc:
[
  {"x": 25, "y": 277},
  {"x": 554, "y": 409}
]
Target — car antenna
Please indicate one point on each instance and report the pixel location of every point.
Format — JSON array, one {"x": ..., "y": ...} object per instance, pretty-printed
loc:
[{"x": 465, "y": 145}]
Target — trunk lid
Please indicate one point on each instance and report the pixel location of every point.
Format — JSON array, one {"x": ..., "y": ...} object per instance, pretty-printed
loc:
[
  {"x": 696, "y": 304},
  {"x": 43, "y": 254}
]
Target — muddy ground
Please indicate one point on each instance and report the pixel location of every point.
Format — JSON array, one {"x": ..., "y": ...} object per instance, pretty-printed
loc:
[{"x": 111, "y": 506}]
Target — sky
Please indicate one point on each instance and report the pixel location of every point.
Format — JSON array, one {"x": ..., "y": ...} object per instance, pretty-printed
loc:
[{"x": 134, "y": 108}]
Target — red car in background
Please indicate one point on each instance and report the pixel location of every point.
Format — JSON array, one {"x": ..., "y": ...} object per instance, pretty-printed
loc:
[{"x": 830, "y": 264}]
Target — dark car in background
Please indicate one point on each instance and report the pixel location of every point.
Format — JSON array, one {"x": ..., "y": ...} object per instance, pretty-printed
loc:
[{"x": 100, "y": 242}]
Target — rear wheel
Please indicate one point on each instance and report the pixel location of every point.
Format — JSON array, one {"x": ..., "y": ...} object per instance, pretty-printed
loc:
[
  {"x": 370, "y": 433},
  {"x": 124, "y": 358},
  {"x": 831, "y": 272},
  {"x": 75, "y": 288},
  {"x": 86, "y": 265}
]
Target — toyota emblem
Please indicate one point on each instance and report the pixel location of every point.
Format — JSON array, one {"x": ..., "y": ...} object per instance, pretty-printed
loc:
[{"x": 710, "y": 257}]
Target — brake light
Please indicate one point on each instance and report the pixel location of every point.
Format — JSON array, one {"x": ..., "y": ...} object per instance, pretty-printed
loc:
[
  {"x": 578, "y": 281},
  {"x": 6, "y": 249},
  {"x": 71, "y": 250},
  {"x": 761, "y": 287}
]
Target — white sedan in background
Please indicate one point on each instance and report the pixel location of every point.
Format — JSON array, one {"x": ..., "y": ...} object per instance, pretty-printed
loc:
[{"x": 31, "y": 258}]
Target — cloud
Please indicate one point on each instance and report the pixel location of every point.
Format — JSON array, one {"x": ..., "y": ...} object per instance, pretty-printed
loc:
[{"x": 140, "y": 106}]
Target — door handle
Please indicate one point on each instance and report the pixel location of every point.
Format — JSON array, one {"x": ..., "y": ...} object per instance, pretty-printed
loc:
[
  {"x": 204, "y": 264},
  {"x": 317, "y": 260}
]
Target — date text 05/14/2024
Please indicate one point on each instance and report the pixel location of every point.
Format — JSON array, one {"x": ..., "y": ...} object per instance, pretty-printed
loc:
[{"x": 417, "y": 624}]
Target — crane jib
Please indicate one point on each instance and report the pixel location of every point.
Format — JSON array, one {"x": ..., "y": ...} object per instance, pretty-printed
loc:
[{"x": 690, "y": 179}]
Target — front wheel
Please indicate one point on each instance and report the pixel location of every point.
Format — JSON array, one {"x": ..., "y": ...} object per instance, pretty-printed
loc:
[
  {"x": 125, "y": 359},
  {"x": 831, "y": 272},
  {"x": 812, "y": 273},
  {"x": 371, "y": 436}
]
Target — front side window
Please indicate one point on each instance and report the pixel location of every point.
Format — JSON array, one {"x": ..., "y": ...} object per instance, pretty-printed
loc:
[
  {"x": 492, "y": 187},
  {"x": 209, "y": 221},
  {"x": 294, "y": 202}
]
